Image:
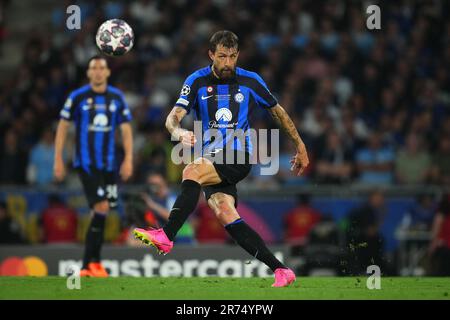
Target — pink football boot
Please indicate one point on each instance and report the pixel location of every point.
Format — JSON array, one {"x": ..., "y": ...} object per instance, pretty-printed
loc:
[
  {"x": 156, "y": 238},
  {"x": 283, "y": 277}
]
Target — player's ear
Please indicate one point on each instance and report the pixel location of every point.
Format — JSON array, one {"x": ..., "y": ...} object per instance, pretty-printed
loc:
[
  {"x": 211, "y": 54},
  {"x": 108, "y": 72}
]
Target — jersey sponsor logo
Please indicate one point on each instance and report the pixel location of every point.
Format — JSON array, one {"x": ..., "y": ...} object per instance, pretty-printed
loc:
[
  {"x": 183, "y": 102},
  {"x": 207, "y": 97},
  {"x": 100, "y": 120},
  {"x": 100, "y": 123},
  {"x": 185, "y": 90},
  {"x": 215, "y": 125},
  {"x": 224, "y": 114},
  {"x": 239, "y": 97}
]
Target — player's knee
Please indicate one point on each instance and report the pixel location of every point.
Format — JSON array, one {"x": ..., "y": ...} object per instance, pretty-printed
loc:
[
  {"x": 224, "y": 209},
  {"x": 191, "y": 172},
  {"x": 102, "y": 207}
]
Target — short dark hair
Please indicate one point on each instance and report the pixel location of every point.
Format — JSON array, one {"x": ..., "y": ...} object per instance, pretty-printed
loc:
[
  {"x": 226, "y": 38},
  {"x": 97, "y": 57}
]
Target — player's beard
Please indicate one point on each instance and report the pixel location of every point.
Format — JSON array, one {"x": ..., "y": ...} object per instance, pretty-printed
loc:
[{"x": 225, "y": 73}]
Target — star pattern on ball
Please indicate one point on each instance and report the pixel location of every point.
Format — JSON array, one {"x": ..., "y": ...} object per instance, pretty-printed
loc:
[{"x": 115, "y": 37}]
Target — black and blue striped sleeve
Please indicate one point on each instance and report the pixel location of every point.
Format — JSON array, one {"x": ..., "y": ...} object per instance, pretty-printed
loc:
[
  {"x": 68, "y": 110},
  {"x": 262, "y": 94},
  {"x": 124, "y": 112}
]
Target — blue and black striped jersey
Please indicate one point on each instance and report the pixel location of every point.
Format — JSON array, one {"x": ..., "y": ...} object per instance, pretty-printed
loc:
[
  {"x": 96, "y": 116},
  {"x": 225, "y": 104}
]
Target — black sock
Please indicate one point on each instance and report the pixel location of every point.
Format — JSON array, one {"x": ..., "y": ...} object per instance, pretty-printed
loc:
[
  {"x": 251, "y": 242},
  {"x": 94, "y": 239},
  {"x": 183, "y": 207}
]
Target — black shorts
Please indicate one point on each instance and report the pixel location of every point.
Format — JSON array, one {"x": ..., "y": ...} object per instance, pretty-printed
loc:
[
  {"x": 99, "y": 186},
  {"x": 230, "y": 174}
]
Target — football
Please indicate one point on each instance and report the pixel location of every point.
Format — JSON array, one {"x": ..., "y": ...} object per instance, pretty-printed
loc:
[{"x": 114, "y": 37}]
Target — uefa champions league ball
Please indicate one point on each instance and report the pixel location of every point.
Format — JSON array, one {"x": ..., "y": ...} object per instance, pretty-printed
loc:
[{"x": 115, "y": 37}]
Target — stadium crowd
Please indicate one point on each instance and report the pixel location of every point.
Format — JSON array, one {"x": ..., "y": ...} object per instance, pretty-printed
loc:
[{"x": 373, "y": 106}]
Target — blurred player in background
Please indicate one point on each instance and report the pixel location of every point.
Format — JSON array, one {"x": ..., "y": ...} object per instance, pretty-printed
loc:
[
  {"x": 223, "y": 96},
  {"x": 96, "y": 110}
]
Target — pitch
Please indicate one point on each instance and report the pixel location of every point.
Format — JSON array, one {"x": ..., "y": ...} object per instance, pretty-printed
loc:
[{"x": 214, "y": 288}]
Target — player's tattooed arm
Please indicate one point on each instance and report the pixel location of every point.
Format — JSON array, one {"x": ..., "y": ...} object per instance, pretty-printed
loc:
[
  {"x": 300, "y": 161},
  {"x": 173, "y": 125}
]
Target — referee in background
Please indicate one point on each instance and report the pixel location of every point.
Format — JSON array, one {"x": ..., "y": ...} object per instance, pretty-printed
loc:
[{"x": 96, "y": 109}]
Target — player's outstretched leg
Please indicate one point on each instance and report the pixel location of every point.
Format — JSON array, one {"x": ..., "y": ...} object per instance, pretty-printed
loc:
[
  {"x": 247, "y": 238},
  {"x": 94, "y": 241},
  {"x": 194, "y": 175}
]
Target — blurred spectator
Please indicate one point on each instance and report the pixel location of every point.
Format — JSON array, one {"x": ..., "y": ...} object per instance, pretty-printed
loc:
[
  {"x": 412, "y": 164},
  {"x": 354, "y": 131},
  {"x": 439, "y": 249},
  {"x": 154, "y": 154},
  {"x": 145, "y": 12},
  {"x": 441, "y": 162},
  {"x": 160, "y": 200},
  {"x": 40, "y": 164},
  {"x": 10, "y": 231},
  {"x": 58, "y": 222},
  {"x": 375, "y": 162},
  {"x": 334, "y": 162},
  {"x": 299, "y": 221},
  {"x": 420, "y": 215},
  {"x": 13, "y": 160},
  {"x": 365, "y": 243}
]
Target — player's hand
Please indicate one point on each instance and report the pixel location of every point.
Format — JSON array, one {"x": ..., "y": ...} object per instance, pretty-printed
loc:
[
  {"x": 59, "y": 170},
  {"x": 126, "y": 170},
  {"x": 187, "y": 138},
  {"x": 300, "y": 161}
]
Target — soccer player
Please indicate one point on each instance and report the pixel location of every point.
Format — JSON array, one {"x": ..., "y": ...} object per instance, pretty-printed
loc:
[
  {"x": 222, "y": 96},
  {"x": 97, "y": 109}
]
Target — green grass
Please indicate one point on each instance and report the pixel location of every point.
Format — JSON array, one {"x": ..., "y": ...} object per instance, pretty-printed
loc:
[{"x": 223, "y": 288}]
